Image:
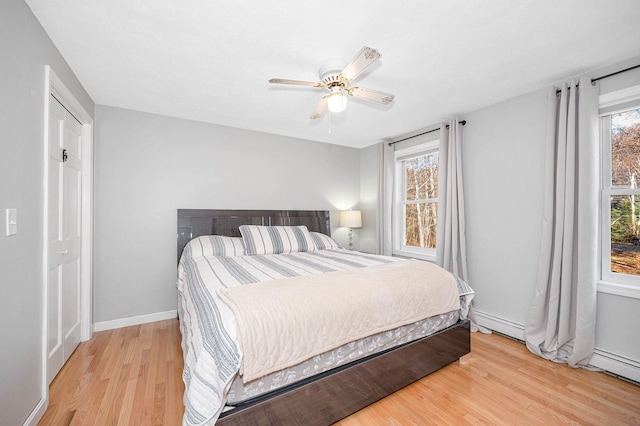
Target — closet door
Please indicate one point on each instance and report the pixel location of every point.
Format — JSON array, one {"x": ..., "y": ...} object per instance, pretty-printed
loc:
[{"x": 63, "y": 291}]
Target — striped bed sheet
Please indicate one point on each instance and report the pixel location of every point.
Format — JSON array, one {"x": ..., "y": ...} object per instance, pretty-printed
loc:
[{"x": 211, "y": 354}]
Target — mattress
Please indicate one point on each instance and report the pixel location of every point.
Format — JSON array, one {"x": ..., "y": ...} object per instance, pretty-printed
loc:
[
  {"x": 241, "y": 392},
  {"x": 209, "y": 336}
]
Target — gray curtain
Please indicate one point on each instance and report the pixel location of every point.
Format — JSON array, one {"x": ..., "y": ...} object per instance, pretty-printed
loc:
[
  {"x": 451, "y": 248},
  {"x": 386, "y": 162},
  {"x": 562, "y": 318}
]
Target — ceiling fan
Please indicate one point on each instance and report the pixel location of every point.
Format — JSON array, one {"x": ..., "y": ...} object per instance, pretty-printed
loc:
[{"x": 338, "y": 83}]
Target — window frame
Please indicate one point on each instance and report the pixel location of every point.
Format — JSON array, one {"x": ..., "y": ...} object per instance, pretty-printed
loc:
[
  {"x": 613, "y": 282},
  {"x": 400, "y": 202}
]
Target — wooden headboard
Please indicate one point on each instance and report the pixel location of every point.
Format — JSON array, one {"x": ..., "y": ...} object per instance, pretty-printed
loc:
[{"x": 193, "y": 223}]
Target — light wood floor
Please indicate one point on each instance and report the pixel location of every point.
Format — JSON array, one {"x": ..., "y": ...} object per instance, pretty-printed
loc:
[{"x": 132, "y": 376}]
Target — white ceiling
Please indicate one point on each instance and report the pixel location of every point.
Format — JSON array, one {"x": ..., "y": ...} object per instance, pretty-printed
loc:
[{"x": 209, "y": 60}]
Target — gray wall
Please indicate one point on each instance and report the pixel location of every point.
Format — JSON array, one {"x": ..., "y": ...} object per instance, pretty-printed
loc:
[
  {"x": 504, "y": 177},
  {"x": 503, "y": 168},
  {"x": 503, "y": 172},
  {"x": 148, "y": 166},
  {"x": 368, "y": 236},
  {"x": 26, "y": 49}
]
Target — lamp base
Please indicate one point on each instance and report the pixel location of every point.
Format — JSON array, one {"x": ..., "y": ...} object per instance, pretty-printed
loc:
[{"x": 350, "y": 239}]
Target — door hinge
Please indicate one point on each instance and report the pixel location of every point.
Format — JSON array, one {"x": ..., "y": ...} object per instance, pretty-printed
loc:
[{"x": 64, "y": 156}]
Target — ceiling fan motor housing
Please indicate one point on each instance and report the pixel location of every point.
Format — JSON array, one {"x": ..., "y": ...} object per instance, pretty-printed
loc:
[{"x": 330, "y": 74}]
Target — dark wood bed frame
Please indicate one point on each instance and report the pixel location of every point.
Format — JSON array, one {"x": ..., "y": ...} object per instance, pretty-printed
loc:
[{"x": 335, "y": 394}]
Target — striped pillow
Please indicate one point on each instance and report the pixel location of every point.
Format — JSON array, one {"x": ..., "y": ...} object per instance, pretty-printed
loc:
[
  {"x": 324, "y": 242},
  {"x": 214, "y": 245},
  {"x": 276, "y": 239}
]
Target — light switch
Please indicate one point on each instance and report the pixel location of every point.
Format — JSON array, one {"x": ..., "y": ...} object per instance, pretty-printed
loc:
[{"x": 12, "y": 221}]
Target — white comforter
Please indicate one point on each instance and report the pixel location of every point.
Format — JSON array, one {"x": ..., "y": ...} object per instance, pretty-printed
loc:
[{"x": 284, "y": 322}]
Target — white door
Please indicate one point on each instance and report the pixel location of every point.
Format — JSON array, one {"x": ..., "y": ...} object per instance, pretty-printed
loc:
[{"x": 63, "y": 292}]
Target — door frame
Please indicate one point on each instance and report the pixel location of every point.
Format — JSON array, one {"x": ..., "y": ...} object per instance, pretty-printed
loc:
[{"x": 54, "y": 86}]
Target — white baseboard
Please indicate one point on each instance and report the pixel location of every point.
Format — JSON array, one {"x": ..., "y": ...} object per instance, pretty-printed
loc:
[
  {"x": 616, "y": 364},
  {"x": 610, "y": 362},
  {"x": 500, "y": 325},
  {"x": 141, "y": 319},
  {"x": 37, "y": 413}
]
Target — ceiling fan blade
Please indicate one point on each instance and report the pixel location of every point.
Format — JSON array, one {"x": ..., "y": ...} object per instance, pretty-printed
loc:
[
  {"x": 296, "y": 82},
  {"x": 371, "y": 95},
  {"x": 365, "y": 57},
  {"x": 320, "y": 108}
]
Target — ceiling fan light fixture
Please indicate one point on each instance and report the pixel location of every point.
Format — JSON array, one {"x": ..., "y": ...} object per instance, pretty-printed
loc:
[{"x": 336, "y": 102}]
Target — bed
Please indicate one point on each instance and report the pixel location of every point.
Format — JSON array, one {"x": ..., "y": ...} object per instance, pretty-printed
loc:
[{"x": 215, "y": 257}]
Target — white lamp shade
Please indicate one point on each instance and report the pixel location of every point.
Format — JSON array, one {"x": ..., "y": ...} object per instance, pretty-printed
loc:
[
  {"x": 336, "y": 102},
  {"x": 351, "y": 219}
]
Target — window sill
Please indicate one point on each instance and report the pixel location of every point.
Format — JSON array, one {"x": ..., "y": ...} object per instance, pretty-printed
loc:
[
  {"x": 412, "y": 255},
  {"x": 625, "y": 290}
]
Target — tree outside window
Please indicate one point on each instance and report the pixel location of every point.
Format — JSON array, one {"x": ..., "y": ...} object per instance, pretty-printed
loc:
[
  {"x": 421, "y": 189},
  {"x": 624, "y": 195}
]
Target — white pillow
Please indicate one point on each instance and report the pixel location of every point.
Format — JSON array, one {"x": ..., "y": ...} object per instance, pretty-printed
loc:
[
  {"x": 276, "y": 239},
  {"x": 324, "y": 242},
  {"x": 214, "y": 245}
]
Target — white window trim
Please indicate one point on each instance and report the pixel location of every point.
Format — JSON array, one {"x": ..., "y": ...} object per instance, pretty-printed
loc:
[
  {"x": 612, "y": 282},
  {"x": 399, "y": 249},
  {"x": 619, "y": 289}
]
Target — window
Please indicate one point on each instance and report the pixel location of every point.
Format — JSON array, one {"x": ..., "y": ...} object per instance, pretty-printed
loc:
[
  {"x": 416, "y": 201},
  {"x": 620, "y": 198}
]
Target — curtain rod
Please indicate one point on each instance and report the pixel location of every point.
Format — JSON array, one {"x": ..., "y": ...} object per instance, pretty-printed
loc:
[
  {"x": 463, "y": 122},
  {"x": 593, "y": 80}
]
